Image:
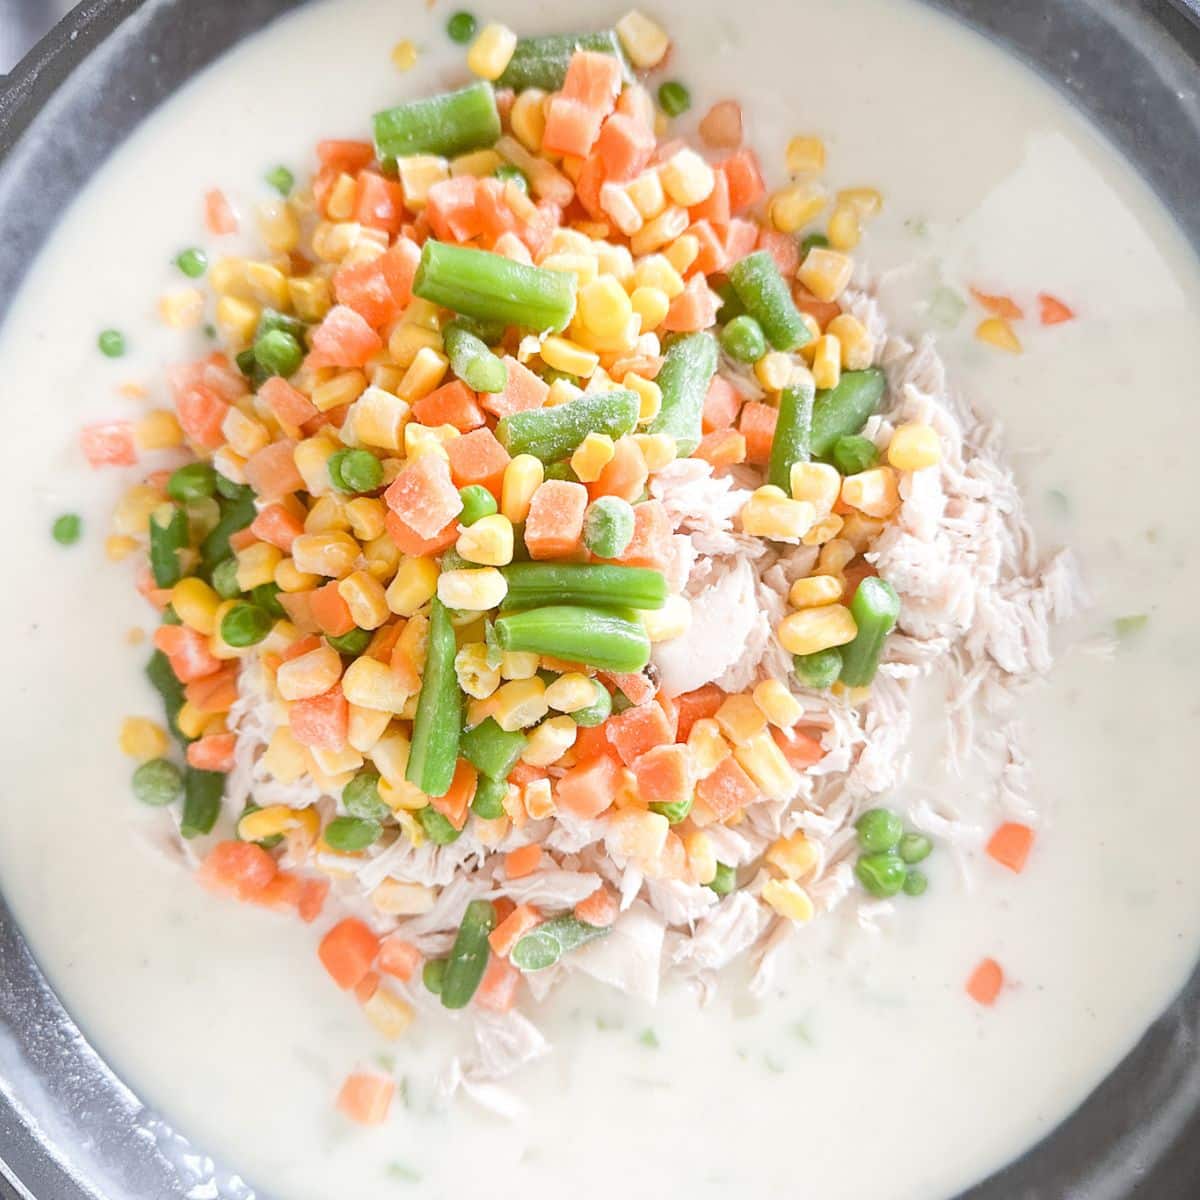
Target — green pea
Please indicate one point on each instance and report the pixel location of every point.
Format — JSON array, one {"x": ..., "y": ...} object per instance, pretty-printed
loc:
[
  {"x": 355, "y": 471},
  {"x": 437, "y": 828},
  {"x": 879, "y": 830},
  {"x": 477, "y": 502},
  {"x": 914, "y": 848},
  {"x": 433, "y": 975},
  {"x": 507, "y": 173},
  {"x": 813, "y": 241},
  {"x": 676, "y": 811},
  {"x": 158, "y": 782},
  {"x": 598, "y": 711},
  {"x": 819, "y": 670},
  {"x": 915, "y": 883},
  {"x": 224, "y": 579},
  {"x": 461, "y": 27},
  {"x": 245, "y": 625},
  {"x": 488, "y": 802},
  {"x": 196, "y": 481},
  {"x": 111, "y": 343},
  {"x": 853, "y": 453},
  {"x": 193, "y": 262},
  {"x": 279, "y": 352},
  {"x": 351, "y": 644},
  {"x": 281, "y": 179},
  {"x": 360, "y": 797},
  {"x": 882, "y": 875},
  {"x": 725, "y": 880},
  {"x": 743, "y": 339},
  {"x": 349, "y": 834},
  {"x": 67, "y": 529},
  {"x": 673, "y": 98}
]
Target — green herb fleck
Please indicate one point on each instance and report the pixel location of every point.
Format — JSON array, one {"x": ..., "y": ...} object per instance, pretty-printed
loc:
[
  {"x": 403, "y": 1173},
  {"x": 945, "y": 308},
  {"x": 649, "y": 1039},
  {"x": 1130, "y": 625},
  {"x": 281, "y": 179}
]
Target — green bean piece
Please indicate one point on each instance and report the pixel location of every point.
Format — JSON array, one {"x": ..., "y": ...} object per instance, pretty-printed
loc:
[
  {"x": 352, "y": 643},
  {"x": 245, "y": 625},
  {"x": 224, "y": 579},
  {"x": 438, "y": 828},
  {"x": 360, "y": 797},
  {"x": 433, "y": 975},
  {"x": 488, "y": 801},
  {"x": 438, "y": 723},
  {"x": 281, "y": 179},
  {"x": 731, "y": 304},
  {"x": 350, "y": 834},
  {"x": 820, "y": 670},
  {"x": 196, "y": 481},
  {"x": 597, "y": 712},
  {"x": 914, "y": 848},
  {"x": 542, "y": 62},
  {"x": 158, "y": 782},
  {"x": 762, "y": 289},
  {"x": 355, "y": 471},
  {"x": 164, "y": 682},
  {"x": 844, "y": 409},
  {"x": 854, "y": 453},
  {"x": 279, "y": 353},
  {"x": 533, "y": 584},
  {"x": 674, "y": 98},
  {"x": 608, "y": 526},
  {"x": 812, "y": 241},
  {"x": 688, "y": 367},
  {"x": 251, "y": 368},
  {"x": 916, "y": 882},
  {"x": 544, "y": 946},
  {"x": 878, "y": 830},
  {"x": 477, "y": 502},
  {"x": 675, "y": 811},
  {"x": 882, "y": 874},
  {"x": 448, "y": 124},
  {"x": 111, "y": 343},
  {"x": 743, "y": 339},
  {"x": 472, "y": 361},
  {"x": 562, "y": 471},
  {"x": 507, "y": 173},
  {"x": 67, "y": 529},
  {"x": 491, "y": 750},
  {"x": 236, "y": 514},
  {"x": 600, "y": 637},
  {"x": 193, "y": 262},
  {"x": 725, "y": 880},
  {"x": 793, "y": 432},
  {"x": 876, "y": 609},
  {"x": 490, "y": 287},
  {"x": 168, "y": 535},
  {"x": 469, "y": 956},
  {"x": 555, "y": 433},
  {"x": 202, "y": 791}
]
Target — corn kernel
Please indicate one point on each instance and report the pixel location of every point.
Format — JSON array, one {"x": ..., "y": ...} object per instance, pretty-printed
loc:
[
  {"x": 658, "y": 449},
  {"x": 473, "y": 590},
  {"x": 519, "y": 704},
  {"x": 818, "y": 483},
  {"x": 407, "y": 340},
  {"x": 366, "y": 517},
  {"x": 398, "y": 899},
  {"x": 244, "y": 434},
  {"x": 795, "y": 856},
  {"x": 701, "y": 857},
  {"x": 424, "y": 374},
  {"x": 835, "y": 556},
  {"x": 196, "y": 604},
  {"x": 707, "y": 748},
  {"x": 226, "y": 461},
  {"x": 858, "y": 347},
  {"x": 874, "y": 492},
  {"x": 329, "y": 554},
  {"x": 788, "y": 899},
  {"x": 637, "y": 834},
  {"x": 651, "y": 304},
  {"x": 809, "y": 630},
  {"x": 561, "y": 390},
  {"x": 815, "y": 591},
  {"x": 643, "y": 40},
  {"x": 687, "y": 178},
  {"x": 372, "y": 684},
  {"x": 489, "y": 541},
  {"x": 777, "y": 704},
  {"x": 404, "y": 55},
  {"x": 132, "y": 512},
  {"x": 365, "y": 598},
  {"x": 339, "y": 205},
  {"x": 859, "y": 530},
  {"x": 659, "y": 231},
  {"x": 311, "y": 297},
  {"x": 237, "y": 320},
  {"x": 740, "y": 719},
  {"x": 771, "y": 513},
  {"x": 527, "y": 118},
  {"x": 522, "y": 477},
  {"x": 805, "y": 156},
  {"x": 158, "y": 430},
  {"x": 603, "y": 308},
  {"x": 564, "y": 355},
  {"x": 418, "y": 173},
  {"x": 571, "y": 692},
  {"x": 275, "y": 820},
  {"x": 365, "y": 726},
  {"x": 618, "y": 205},
  {"x": 914, "y": 447},
  {"x": 775, "y": 370},
  {"x": 279, "y": 227},
  {"x": 866, "y": 202},
  {"x": 591, "y": 456},
  {"x": 682, "y": 252},
  {"x": 654, "y": 271},
  {"x": 765, "y": 763},
  {"x": 310, "y": 674},
  {"x": 671, "y": 621},
  {"x": 793, "y": 207},
  {"x": 190, "y": 720},
  {"x": 519, "y": 664},
  {"x": 388, "y": 1013},
  {"x": 476, "y": 676},
  {"x": 826, "y": 362},
  {"x": 327, "y": 514},
  {"x": 491, "y": 51},
  {"x": 143, "y": 739},
  {"x": 825, "y": 273},
  {"x": 285, "y": 758},
  {"x": 537, "y": 798},
  {"x": 390, "y": 756},
  {"x": 256, "y": 565},
  {"x": 478, "y": 163},
  {"x": 182, "y": 308},
  {"x": 413, "y": 587},
  {"x": 825, "y": 530},
  {"x": 549, "y": 742},
  {"x": 427, "y": 439},
  {"x": 845, "y": 231},
  {"x": 344, "y": 388}
]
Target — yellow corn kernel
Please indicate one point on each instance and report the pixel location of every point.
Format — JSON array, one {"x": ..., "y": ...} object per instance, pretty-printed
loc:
[
  {"x": 638, "y": 834},
  {"x": 285, "y": 758},
  {"x": 825, "y": 272},
  {"x": 365, "y": 726},
  {"x": 591, "y": 456},
  {"x": 561, "y": 390},
  {"x": 866, "y": 202},
  {"x": 339, "y": 206},
  {"x": 660, "y": 231},
  {"x": 366, "y": 517},
  {"x": 365, "y": 598},
  {"x": 327, "y": 514},
  {"x": 655, "y": 271},
  {"x": 143, "y": 739},
  {"x": 603, "y": 308},
  {"x": 682, "y": 252},
  {"x": 809, "y": 630},
  {"x": 338, "y": 765},
  {"x": 404, "y": 55},
  {"x": 795, "y": 856},
  {"x": 478, "y": 163},
  {"x": 815, "y": 591},
  {"x": 619, "y": 207},
  {"x": 413, "y": 587},
  {"x": 489, "y": 541},
  {"x": 626, "y": 794},
  {"x": 399, "y": 899},
  {"x": 835, "y": 556},
  {"x": 858, "y": 347},
  {"x": 472, "y": 590},
  {"x": 707, "y": 748},
  {"x": 311, "y": 297},
  {"x": 519, "y": 704},
  {"x": 671, "y": 621},
  {"x": 522, "y": 477},
  {"x": 571, "y": 692},
  {"x": 344, "y": 388},
  {"x": 651, "y": 304},
  {"x": 527, "y": 118},
  {"x": 418, "y": 173},
  {"x": 549, "y": 741},
  {"x": 825, "y": 530},
  {"x": 372, "y": 684},
  {"x": 788, "y": 899},
  {"x": 615, "y": 260},
  {"x": 227, "y": 276},
  {"x": 805, "y": 156},
  {"x": 537, "y": 798},
  {"x": 132, "y": 512},
  {"x": 740, "y": 719},
  {"x": 701, "y": 857},
  {"x": 407, "y": 340},
  {"x": 519, "y": 664},
  {"x": 818, "y": 483},
  {"x": 400, "y": 795},
  {"x": 158, "y": 430},
  {"x": 687, "y": 178},
  {"x": 793, "y": 207},
  {"x": 424, "y": 374},
  {"x": 390, "y": 755},
  {"x": 309, "y": 675},
  {"x": 385, "y": 376},
  {"x": 256, "y": 564},
  {"x": 427, "y": 439},
  {"x": 774, "y": 370},
  {"x": 277, "y": 819},
  {"x": 564, "y": 355},
  {"x": 765, "y": 763},
  {"x": 777, "y": 704},
  {"x": 244, "y": 434},
  {"x": 476, "y": 676},
  {"x": 382, "y": 556},
  {"x": 826, "y": 361},
  {"x": 237, "y": 320},
  {"x": 414, "y": 641},
  {"x": 196, "y": 604},
  {"x": 845, "y": 232},
  {"x": 874, "y": 492},
  {"x": 647, "y": 196},
  {"x": 388, "y": 1013},
  {"x": 658, "y": 449},
  {"x": 333, "y": 241},
  {"x": 914, "y": 447},
  {"x": 491, "y": 50},
  {"x": 182, "y": 308},
  {"x": 279, "y": 227},
  {"x": 859, "y": 530},
  {"x": 771, "y": 513},
  {"x": 190, "y": 720},
  {"x": 643, "y": 40},
  {"x": 330, "y": 554}
]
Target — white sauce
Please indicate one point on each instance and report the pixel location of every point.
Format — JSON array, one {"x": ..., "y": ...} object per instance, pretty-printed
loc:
[{"x": 221, "y": 1016}]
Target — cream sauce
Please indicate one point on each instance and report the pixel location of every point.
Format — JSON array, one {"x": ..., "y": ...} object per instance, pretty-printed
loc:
[{"x": 868, "y": 1052}]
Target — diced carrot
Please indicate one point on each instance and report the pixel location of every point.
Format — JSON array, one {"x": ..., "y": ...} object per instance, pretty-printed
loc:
[
  {"x": 277, "y": 525},
  {"x": 108, "y": 444},
  {"x": 365, "y": 287},
  {"x": 493, "y": 213},
  {"x": 300, "y": 647},
  {"x": 523, "y": 391},
  {"x": 726, "y": 789},
  {"x": 999, "y": 306},
  {"x": 290, "y": 406},
  {"x": 721, "y": 405},
  {"x": 478, "y": 458},
  {"x": 638, "y": 730},
  {"x": 497, "y": 991},
  {"x": 214, "y": 693},
  {"x": 594, "y": 79},
  {"x": 538, "y": 229},
  {"x": 220, "y": 375},
  {"x": 696, "y": 706},
  {"x": 984, "y": 983},
  {"x": 671, "y": 711},
  {"x": 590, "y": 742},
  {"x": 383, "y": 642},
  {"x": 366, "y": 1097},
  {"x": 366, "y": 987},
  {"x": 400, "y": 267},
  {"x": 347, "y": 952},
  {"x": 713, "y": 255},
  {"x": 379, "y": 203},
  {"x": 746, "y": 184},
  {"x": 272, "y": 472},
  {"x": 144, "y": 582},
  {"x": 424, "y": 496},
  {"x": 662, "y": 775},
  {"x": 821, "y": 311},
  {"x": 313, "y": 893},
  {"x": 453, "y": 805},
  {"x": 451, "y": 404},
  {"x": 219, "y": 217},
  {"x": 1010, "y": 845},
  {"x": 330, "y": 610},
  {"x": 238, "y": 867},
  {"x": 514, "y": 927},
  {"x": 721, "y": 126},
  {"x": 409, "y": 541},
  {"x": 856, "y": 571},
  {"x": 343, "y": 155},
  {"x": 783, "y": 248},
  {"x": 650, "y": 545},
  {"x": 239, "y": 539},
  {"x": 201, "y": 414},
  {"x": 715, "y": 207},
  {"x": 624, "y": 146},
  {"x": 554, "y": 526},
  {"x": 187, "y": 651},
  {"x": 522, "y": 861},
  {"x": 599, "y": 909},
  {"x": 722, "y": 448},
  {"x": 571, "y": 127},
  {"x": 322, "y": 188},
  {"x": 695, "y": 308},
  {"x": 504, "y": 908},
  {"x": 588, "y": 182},
  {"x": 636, "y": 686},
  {"x": 588, "y": 789},
  {"x": 523, "y": 773},
  {"x": 322, "y": 721},
  {"x": 741, "y": 237},
  {"x": 212, "y": 752},
  {"x": 298, "y": 606},
  {"x": 624, "y": 475},
  {"x": 343, "y": 339},
  {"x": 282, "y": 894},
  {"x": 452, "y": 210},
  {"x": 398, "y": 958},
  {"x": 757, "y": 426},
  {"x": 798, "y": 748},
  {"x": 1052, "y": 311}
]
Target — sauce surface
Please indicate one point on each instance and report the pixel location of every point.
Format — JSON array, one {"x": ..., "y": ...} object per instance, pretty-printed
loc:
[{"x": 867, "y": 1052}]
